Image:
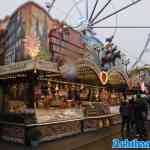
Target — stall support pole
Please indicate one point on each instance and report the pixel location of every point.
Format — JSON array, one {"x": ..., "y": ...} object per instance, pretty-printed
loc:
[
  {"x": 27, "y": 139},
  {"x": 82, "y": 126},
  {"x": 32, "y": 82},
  {"x": 4, "y": 100}
]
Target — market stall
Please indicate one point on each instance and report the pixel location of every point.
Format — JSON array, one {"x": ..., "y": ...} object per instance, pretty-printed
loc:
[{"x": 38, "y": 102}]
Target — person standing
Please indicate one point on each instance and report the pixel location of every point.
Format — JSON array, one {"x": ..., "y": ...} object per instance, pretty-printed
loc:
[
  {"x": 141, "y": 110},
  {"x": 124, "y": 112},
  {"x": 132, "y": 116}
]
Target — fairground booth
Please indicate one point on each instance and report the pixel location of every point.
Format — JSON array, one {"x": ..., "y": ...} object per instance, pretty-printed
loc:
[{"x": 51, "y": 83}]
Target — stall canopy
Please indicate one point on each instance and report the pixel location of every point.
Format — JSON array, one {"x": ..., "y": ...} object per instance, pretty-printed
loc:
[
  {"x": 87, "y": 72},
  {"x": 29, "y": 65},
  {"x": 117, "y": 80}
]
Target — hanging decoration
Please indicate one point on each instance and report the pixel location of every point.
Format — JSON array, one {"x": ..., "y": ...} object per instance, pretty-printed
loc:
[
  {"x": 49, "y": 83},
  {"x": 130, "y": 84},
  {"x": 143, "y": 87},
  {"x": 111, "y": 54},
  {"x": 103, "y": 77},
  {"x": 81, "y": 87},
  {"x": 57, "y": 88}
]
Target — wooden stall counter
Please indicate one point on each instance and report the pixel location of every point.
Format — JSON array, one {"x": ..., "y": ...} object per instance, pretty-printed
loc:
[{"x": 47, "y": 131}]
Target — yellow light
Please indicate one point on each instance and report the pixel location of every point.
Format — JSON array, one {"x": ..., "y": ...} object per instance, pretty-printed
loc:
[{"x": 32, "y": 45}]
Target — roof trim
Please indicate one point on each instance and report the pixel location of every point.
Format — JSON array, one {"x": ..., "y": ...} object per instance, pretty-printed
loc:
[
  {"x": 34, "y": 4},
  {"x": 41, "y": 8}
]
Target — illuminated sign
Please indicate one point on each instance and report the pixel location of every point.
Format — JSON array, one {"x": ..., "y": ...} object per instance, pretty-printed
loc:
[{"x": 103, "y": 77}]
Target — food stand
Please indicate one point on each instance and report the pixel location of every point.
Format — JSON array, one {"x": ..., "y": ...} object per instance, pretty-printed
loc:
[
  {"x": 36, "y": 106},
  {"x": 37, "y": 101}
]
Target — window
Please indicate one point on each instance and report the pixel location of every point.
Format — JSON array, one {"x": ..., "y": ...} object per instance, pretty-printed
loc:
[{"x": 66, "y": 35}]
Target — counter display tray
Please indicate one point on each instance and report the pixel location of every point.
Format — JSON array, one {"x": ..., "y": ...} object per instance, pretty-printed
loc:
[{"x": 56, "y": 115}]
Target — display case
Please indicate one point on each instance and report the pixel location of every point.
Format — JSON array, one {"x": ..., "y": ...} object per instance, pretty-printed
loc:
[
  {"x": 96, "y": 123},
  {"x": 16, "y": 106},
  {"x": 58, "y": 130},
  {"x": 95, "y": 108},
  {"x": 56, "y": 115}
]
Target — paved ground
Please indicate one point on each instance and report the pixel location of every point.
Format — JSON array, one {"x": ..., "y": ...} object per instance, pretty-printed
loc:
[
  {"x": 101, "y": 140},
  {"x": 106, "y": 143}
]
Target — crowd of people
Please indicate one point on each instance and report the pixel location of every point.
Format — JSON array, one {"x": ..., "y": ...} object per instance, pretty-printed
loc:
[{"x": 134, "y": 114}]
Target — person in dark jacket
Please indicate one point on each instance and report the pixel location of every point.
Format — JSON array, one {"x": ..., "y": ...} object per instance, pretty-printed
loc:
[
  {"x": 124, "y": 112},
  {"x": 141, "y": 110},
  {"x": 132, "y": 116}
]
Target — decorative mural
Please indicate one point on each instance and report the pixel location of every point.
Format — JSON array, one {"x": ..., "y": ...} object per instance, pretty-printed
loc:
[
  {"x": 105, "y": 55},
  {"x": 40, "y": 27},
  {"x": 31, "y": 31},
  {"x": 26, "y": 21},
  {"x": 110, "y": 54},
  {"x": 94, "y": 46},
  {"x": 32, "y": 45},
  {"x": 16, "y": 32},
  {"x": 66, "y": 44}
]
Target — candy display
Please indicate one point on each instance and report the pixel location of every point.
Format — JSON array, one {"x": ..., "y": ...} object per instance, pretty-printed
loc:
[
  {"x": 96, "y": 108},
  {"x": 56, "y": 115},
  {"x": 16, "y": 106}
]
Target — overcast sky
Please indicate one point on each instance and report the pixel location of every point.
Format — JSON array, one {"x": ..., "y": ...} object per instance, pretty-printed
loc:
[{"x": 130, "y": 40}]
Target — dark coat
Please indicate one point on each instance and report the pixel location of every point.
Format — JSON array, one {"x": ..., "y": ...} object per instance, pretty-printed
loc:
[
  {"x": 141, "y": 109},
  {"x": 124, "y": 110}
]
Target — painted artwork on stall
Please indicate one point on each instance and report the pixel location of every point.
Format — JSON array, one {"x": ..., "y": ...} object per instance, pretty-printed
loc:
[
  {"x": 105, "y": 54},
  {"x": 28, "y": 19},
  {"x": 32, "y": 45},
  {"x": 15, "y": 34},
  {"x": 66, "y": 44},
  {"x": 40, "y": 27}
]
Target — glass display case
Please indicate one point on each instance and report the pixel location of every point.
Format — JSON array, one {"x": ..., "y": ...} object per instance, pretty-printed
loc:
[{"x": 56, "y": 115}]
